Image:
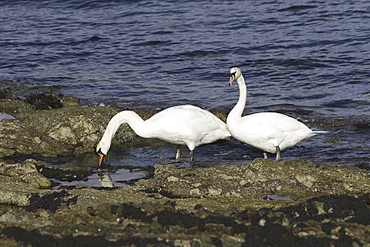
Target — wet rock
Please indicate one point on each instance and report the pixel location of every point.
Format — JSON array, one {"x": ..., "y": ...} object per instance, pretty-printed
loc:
[
  {"x": 344, "y": 222},
  {"x": 51, "y": 201},
  {"x": 293, "y": 202},
  {"x": 155, "y": 211},
  {"x": 18, "y": 181},
  {"x": 68, "y": 130},
  {"x": 297, "y": 178},
  {"x": 18, "y": 139},
  {"x": 5, "y": 93},
  {"x": 61, "y": 173},
  {"x": 25, "y": 172},
  {"x": 14, "y": 192},
  {"x": 15, "y": 107},
  {"x": 44, "y": 100}
]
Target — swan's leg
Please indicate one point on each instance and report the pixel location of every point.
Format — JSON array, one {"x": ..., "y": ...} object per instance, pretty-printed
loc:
[
  {"x": 264, "y": 155},
  {"x": 191, "y": 155},
  {"x": 178, "y": 152},
  {"x": 277, "y": 153}
]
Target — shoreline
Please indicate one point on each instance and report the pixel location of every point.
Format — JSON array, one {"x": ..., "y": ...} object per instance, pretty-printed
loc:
[{"x": 253, "y": 204}]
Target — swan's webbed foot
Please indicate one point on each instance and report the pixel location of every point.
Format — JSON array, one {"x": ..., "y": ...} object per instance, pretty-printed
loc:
[
  {"x": 277, "y": 153},
  {"x": 265, "y": 155}
]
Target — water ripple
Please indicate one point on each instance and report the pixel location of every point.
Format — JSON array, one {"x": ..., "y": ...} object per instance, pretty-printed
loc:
[{"x": 295, "y": 56}]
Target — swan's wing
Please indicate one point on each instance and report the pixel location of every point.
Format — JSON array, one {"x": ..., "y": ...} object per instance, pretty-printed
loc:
[
  {"x": 282, "y": 130},
  {"x": 261, "y": 130},
  {"x": 187, "y": 117},
  {"x": 281, "y": 121},
  {"x": 266, "y": 130},
  {"x": 188, "y": 123}
]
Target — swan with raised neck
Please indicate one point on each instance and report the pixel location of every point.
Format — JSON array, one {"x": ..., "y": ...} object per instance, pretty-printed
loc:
[{"x": 269, "y": 131}]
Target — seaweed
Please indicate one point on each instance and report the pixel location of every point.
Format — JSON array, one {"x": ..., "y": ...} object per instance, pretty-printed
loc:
[
  {"x": 45, "y": 100},
  {"x": 5, "y": 93}
]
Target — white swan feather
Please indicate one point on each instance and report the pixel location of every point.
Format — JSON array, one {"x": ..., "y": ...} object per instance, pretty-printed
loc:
[
  {"x": 268, "y": 131},
  {"x": 182, "y": 125}
]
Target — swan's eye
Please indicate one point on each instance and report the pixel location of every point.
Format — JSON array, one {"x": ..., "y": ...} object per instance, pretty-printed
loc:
[{"x": 233, "y": 74}]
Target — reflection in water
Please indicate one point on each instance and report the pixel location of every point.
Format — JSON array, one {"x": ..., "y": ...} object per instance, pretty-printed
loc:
[{"x": 105, "y": 179}]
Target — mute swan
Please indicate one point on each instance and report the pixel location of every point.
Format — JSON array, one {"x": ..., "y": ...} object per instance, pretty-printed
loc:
[
  {"x": 268, "y": 131},
  {"x": 183, "y": 125}
]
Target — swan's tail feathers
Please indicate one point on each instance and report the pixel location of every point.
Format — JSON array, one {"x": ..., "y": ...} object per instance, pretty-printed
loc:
[{"x": 320, "y": 132}]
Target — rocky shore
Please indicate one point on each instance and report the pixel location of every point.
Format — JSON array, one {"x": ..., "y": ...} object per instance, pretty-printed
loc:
[{"x": 292, "y": 202}]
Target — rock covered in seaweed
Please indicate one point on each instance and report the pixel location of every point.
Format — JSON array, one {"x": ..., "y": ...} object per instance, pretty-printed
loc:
[
  {"x": 162, "y": 211},
  {"x": 69, "y": 130}
]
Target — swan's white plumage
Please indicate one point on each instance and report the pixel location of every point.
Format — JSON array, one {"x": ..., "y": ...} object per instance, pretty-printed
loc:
[
  {"x": 183, "y": 125},
  {"x": 268, "y": 131}
]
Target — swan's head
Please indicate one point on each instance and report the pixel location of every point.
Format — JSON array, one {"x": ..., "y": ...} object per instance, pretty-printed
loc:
[
  {"x": 235, "y": 73},
  {"x": 102, "y": 152}
]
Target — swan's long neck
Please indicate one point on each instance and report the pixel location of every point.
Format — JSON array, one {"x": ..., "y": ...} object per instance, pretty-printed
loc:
[
  {"x": 237, "y": 111},
  {"x": 131, "y": 118}
]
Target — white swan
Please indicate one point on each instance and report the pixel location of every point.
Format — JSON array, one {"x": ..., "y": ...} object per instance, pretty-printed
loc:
[
  {"x": 183, "y": 125},
  {"x": 268, "y": 131}
]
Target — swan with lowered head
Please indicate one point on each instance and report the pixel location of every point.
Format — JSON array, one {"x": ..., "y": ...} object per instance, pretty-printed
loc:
[
  {"x": 182, "y": 125},
  {"x": 268, "y": 131}
]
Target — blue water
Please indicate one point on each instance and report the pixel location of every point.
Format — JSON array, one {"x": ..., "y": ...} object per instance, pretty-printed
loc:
[{"x": 306, "y": 59}]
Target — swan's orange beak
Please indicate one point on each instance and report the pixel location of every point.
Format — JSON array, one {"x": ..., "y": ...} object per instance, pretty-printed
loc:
[
  {"x": 101, "y": 158},
  {"x": 232, "y": 78}
]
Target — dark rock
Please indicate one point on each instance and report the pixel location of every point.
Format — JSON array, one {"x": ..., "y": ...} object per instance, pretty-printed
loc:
[
  {"x": 44, "y": 101},
  {"x": 293, "y": 202},
  {"x": 50, "y": 201}
]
